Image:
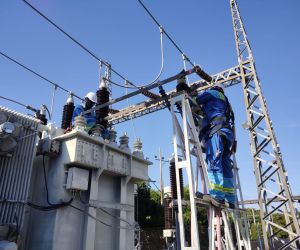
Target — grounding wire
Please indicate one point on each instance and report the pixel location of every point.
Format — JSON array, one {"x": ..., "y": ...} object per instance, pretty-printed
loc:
[
  {"x": 161, "y": 31},
  {"x": 96, "y": 219},
  {"x": 168, "y": 36},
  {"x": 74, "y": 40},
  {"x": 39, "y": 75},
  {"x": 103, "y": 210}
]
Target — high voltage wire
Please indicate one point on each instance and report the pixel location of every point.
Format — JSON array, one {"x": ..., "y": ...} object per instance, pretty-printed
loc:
[
  {"x": 78, "y": 43},
  {"x": 19, "y": 103},
  {"x": 39, "y": 75},
  {"x": 168, "y": 36}
]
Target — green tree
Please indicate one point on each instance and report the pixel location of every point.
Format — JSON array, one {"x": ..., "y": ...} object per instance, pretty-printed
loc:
[{"x": 150, "y": 211}]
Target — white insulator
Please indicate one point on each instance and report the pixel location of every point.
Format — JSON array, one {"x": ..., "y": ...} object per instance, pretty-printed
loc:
[
  {"x": 79, "y": 123},
  {"x": 70, "y": 99},
  {"x": 138, "y": 148},
  {"x": 137, "y": 144},
  {"x": 124, "y": 140},
  {"x": 97, "y": 130},
  {"x": 102, "y": 83},
  {"x": 113, "y": 135}
]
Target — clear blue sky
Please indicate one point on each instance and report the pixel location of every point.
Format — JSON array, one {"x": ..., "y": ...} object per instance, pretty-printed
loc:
[{"x": 123, "y": 34}]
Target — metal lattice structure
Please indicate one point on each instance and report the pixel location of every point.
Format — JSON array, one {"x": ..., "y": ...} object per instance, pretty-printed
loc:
[{"x": 271, "y": 177}]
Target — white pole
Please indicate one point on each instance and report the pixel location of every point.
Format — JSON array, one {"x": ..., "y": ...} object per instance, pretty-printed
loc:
[{"x": 161, "y": 178}]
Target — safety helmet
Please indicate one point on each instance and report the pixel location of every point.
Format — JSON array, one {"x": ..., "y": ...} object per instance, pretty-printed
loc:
[
  {"x": 218, "y": 88},
  {"x": 92, "y": 97}
]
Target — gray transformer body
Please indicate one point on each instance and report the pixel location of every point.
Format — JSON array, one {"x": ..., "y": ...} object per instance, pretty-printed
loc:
[
  {"x": 98, "y": 175},
  {"x": 89, "y": 170}
]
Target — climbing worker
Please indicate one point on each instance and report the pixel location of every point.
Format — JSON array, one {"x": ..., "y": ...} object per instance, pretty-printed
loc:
[
  {"x": 89, "y": 101},
  {"x": 217, "y": 135}
]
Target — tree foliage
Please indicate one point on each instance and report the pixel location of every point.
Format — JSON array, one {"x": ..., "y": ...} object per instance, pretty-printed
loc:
[{"x": 150, "y": 211}]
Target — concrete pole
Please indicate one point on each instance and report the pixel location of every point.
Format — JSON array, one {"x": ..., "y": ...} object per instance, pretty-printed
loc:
[{"x": 161, "y": 178}]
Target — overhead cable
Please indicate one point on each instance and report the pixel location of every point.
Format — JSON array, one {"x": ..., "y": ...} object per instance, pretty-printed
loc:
[
  {"x": 75, "y": 41},
  {"x": 39, "y": 75},
  {"x": 168, "y": 36},
  {"x": 19, "y": 103}
]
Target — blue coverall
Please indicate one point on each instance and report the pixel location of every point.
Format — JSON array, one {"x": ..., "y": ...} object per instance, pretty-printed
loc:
[
  {"x": 217, "y": 144},
  {"x": 89, "y": 118}
]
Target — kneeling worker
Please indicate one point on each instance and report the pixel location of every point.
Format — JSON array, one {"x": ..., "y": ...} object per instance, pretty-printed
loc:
[{"x": 89, "y": 101}]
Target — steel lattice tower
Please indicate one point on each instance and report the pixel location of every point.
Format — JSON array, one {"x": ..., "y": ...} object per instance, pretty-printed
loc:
[{"x": 271, "y": 177}]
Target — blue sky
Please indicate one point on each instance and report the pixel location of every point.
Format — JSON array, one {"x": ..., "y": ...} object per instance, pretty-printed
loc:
[{"x": 123, "y": 34}]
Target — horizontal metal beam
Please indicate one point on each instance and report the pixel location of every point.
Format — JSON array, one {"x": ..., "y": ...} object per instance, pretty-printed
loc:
[
  {"x": 225, "y": 78},
  {"x": 247, "y": 202}
]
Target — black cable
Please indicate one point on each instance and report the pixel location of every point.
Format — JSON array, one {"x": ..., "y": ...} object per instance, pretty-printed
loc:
[
  {"x": 119, "y": 85},
  {"x": 58, "y": 205},
  {"x": 88, "y": 214},
  {"x": 103, "y": 210},
  {"x": 39, "y": 75},
  {"x": 168, "y": 36},
  {"x": 77, "y": 42},
  {"x": 19, "y": 103}
]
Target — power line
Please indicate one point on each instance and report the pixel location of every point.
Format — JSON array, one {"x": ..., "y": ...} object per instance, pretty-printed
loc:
[
  {"x": 77, "y": 42},
  {"x": 168, "y": 36},
  {"x": 19, "y": 103},
  {"x": 39, "y": 75}
]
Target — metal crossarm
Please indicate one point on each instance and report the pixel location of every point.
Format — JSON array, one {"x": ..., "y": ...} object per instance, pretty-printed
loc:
[
  {"x": 272, "y": 186},
  {"x": 226, "y": 78}
]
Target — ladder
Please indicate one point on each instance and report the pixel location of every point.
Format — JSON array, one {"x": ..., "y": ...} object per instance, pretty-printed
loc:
[{"x": 186, "y": 142}]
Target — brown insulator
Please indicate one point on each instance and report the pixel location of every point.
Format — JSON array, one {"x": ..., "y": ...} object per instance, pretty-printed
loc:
[
  {"x": 168, "y": 214},
  {"x": 181, "y": 182},
  {"x": 150, "y": 94},
  {"x": 203, "y": 74},
  {"x": 163, "y": 94},
  {"x": 173, "y": 180},
  {"x": 102, "y": 97},
  {"x": 67, "y": 115},
  {"x": 113, "y": 111}
]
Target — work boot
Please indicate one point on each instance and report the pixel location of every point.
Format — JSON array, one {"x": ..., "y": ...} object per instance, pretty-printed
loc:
[
  {"x": 229, "y": 205},
  {"x": 214, "y": 201},
  {"x": 217, "y": 203}
]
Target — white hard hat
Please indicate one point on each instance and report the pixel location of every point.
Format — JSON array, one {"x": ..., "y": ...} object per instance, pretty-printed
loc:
[{"x": 91, "y": 96}]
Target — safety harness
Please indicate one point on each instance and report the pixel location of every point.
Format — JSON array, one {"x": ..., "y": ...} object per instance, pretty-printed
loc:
[{"x": 217, "y": 123}]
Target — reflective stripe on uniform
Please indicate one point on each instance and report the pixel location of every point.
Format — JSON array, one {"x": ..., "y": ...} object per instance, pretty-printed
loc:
[{"x": 221, "y": 189}]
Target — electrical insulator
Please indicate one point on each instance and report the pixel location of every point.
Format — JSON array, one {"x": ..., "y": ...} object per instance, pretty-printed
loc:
[
  {"x": 67, "y": 113},
  {"x": 102, "y": 97},
  {"x": 150, "y": 94},
  {"x": 173, "y": 180},
  {"x": 41, "y": 115},
  {"x": 168, "y": 214},
  {"x": 181, "y": 85},
  {"x": 163, "y": 94}
]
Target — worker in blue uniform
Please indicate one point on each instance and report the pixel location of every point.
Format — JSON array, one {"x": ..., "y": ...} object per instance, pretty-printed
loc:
[
  {"x": 218, "y": 139},
  {"x": 89, "y": 101}
]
